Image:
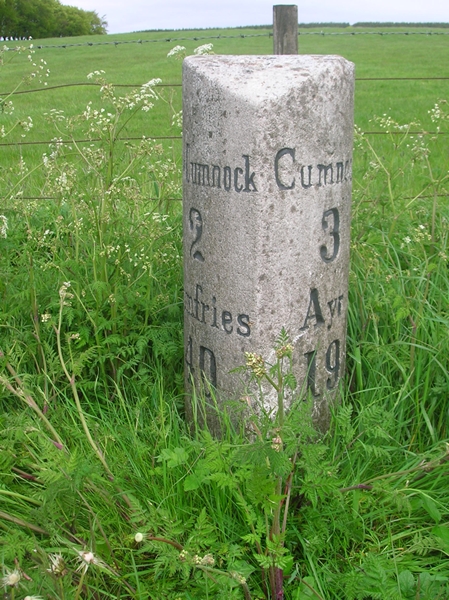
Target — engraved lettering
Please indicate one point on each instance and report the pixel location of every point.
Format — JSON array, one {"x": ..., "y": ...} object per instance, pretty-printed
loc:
[
  {"x": 226, "y": 320},
  {"x": 197, "y": 302},
  {"x": 340, "y": 172},
  {"x": 214, "y": 312},
  {"x": 332, "y": 307},
  {"x": 333, "y": 364},
  {"x": 206, "y": 310},
  {"x": 196, "y": 225},
  {"x": 237, "y": 187},
  {"x": 244, "y": 326},
  {"x": 334, "y": 232},
  {"x": 208, "y": 366},
  {"x": 323, "y": 171},
  {"x": 249, "y": 178},
  {"x": 216, "y": 176},
  {"x": 311, "y": 372},
  {"x": 227, "y": 178},
  {"x": 201, "y": 174},
  {"x": 188, "y": 356},
  {"x": 348, "y": 170},
  {"x": 240, "y": 179},
  {"x": 335, "y": 308},
  {"x": 279, "y": 155},
  {"x": 314, "y": 310},
  {"x": 309, "y": 184}
]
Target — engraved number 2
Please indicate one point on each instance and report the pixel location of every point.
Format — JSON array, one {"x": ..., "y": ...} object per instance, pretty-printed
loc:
[
  {"x": 334, "y": 232},
  {"x": 196, "y": 226}
]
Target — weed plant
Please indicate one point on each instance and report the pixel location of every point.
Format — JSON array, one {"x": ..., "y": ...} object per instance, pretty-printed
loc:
[{"x": 106, "y": 493}]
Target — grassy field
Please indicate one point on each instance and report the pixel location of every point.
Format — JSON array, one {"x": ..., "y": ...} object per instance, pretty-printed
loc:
[
  {"x": 391, "y": 55},
  {"x": 104, "y": 491}
]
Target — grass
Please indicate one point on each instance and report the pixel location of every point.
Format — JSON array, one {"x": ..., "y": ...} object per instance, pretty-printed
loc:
[{"x": 105, "y": 492}]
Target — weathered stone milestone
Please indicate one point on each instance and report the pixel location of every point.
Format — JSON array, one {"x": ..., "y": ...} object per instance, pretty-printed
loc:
[{"x": 267, "y": 192}]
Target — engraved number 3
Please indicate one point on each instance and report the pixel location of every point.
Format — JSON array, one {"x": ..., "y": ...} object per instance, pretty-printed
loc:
[{"x": 334, "y": 232}]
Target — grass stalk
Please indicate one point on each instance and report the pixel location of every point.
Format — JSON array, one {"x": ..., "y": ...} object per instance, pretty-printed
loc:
[{"x": 72, "y": 382}]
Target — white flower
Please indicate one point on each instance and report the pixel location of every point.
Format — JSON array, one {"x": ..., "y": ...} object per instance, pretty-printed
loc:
[
  {"x": 176, "y": 50},
  {"x": 97, "y": 73},
  {"x": 64, "y": 294},
  {"x": 138, "y": 537},
  {"x": 11, "y": 579},
  {"x": 204, "y": 49},
  {"x": 3, "y": 226}
]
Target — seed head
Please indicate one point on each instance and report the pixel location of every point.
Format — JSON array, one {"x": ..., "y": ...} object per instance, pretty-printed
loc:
[
  {"x": 11, "y": 579},
  {"x": 237, "y": 577},
  {"x": 285, "y": 350},
  {"x": 276, "y": 443},
  {"x": 87, "y": 558},
  {"x": 256, "y": 363},
  {"x": 57, "y": 565}
]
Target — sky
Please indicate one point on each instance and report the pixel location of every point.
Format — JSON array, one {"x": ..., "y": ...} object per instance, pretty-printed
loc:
[{"x": 125, "y": 16}]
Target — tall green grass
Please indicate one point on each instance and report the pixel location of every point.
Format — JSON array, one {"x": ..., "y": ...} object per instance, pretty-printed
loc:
[{"x": 105, "y": 492}]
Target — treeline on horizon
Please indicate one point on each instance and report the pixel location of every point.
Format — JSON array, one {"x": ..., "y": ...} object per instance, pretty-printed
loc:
[
  {"x": 388, "y": 24},
  {"x": 37, "y": 19},
  {"x": 306, "y": 26}
]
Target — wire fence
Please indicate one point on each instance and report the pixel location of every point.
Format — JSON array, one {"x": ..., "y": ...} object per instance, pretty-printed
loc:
[
  {"x": 268, "y": 34},
  {"x": 175, "y": 85},
  {"x": 168, "y": 85}
]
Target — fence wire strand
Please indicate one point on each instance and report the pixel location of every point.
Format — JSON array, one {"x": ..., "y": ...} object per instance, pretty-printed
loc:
[
  {"x": 179, "y": 137},
  {"x": 172, "y": 85},
  {"x": 241, "y": 35}
]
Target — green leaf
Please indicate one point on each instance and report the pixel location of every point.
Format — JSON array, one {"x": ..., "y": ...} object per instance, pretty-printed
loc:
[
  {"x": 406, "y": 583},
  {"x": 173, "y": 458},
  {"x": 304, "y": 592},
  {"x": 431, "y": 508},
  {"x": 195, "y": 479},
  {"x": 192, "y": 482},
  {"x": 442, "y": 533},
  {"x": 290, "y": 381}
]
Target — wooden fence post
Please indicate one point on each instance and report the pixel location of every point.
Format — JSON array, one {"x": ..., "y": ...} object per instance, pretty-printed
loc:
[{"x": 285, "y": 29}]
